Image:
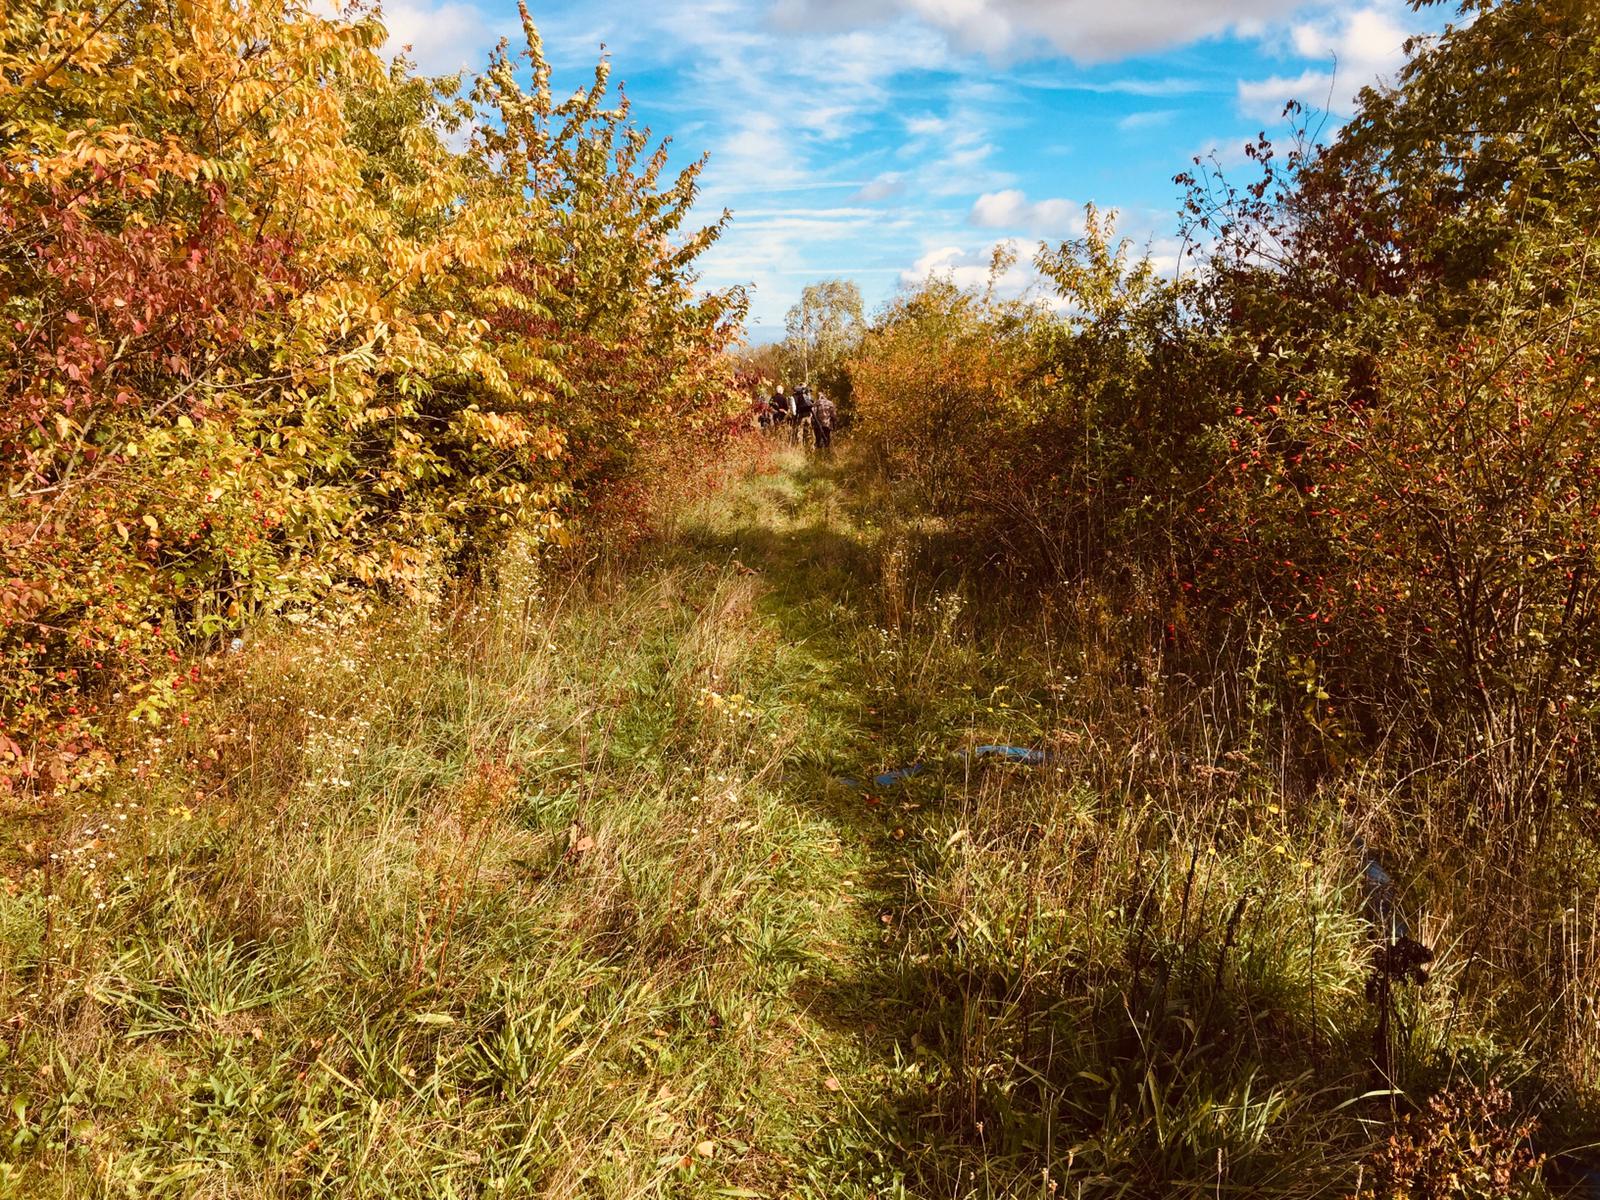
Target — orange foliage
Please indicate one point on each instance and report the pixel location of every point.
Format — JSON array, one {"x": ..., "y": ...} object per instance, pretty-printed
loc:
[{"x": 267, "y": 341}]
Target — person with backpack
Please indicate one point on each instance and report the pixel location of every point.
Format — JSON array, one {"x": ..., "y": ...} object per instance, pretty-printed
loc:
[
  {"x": 802, "y": 412},
  {"x": 823, "y": 416}
]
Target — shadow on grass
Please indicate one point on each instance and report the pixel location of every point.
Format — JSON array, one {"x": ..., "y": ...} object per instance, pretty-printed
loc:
[
  {"x": 994, "y": 1078},
  {"x": 973, "y": 1070}
]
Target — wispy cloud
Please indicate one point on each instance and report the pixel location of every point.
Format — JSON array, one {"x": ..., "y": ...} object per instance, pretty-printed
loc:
[
  {"x": 1151, "y": 88},
  {"x": 1153, "y": 119},
  {"x": 1011, "y": 210}
]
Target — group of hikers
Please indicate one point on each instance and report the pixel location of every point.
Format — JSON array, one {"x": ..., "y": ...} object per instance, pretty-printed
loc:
[{"x": 793, "y": 413}]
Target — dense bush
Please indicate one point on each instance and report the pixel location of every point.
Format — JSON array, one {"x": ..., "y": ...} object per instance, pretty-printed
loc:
[
  {"x": 1361, "y": 430},
  {"x": 270, "y": 339}
]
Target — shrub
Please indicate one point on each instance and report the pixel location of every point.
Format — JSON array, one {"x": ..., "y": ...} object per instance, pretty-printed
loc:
[
  {"x": 1464, "y": 1143},
  {"x": 269, "y": 342}
]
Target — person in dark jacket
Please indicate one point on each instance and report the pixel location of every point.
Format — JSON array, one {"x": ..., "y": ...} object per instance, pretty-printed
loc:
[
  {"x": 777, "y": 409},
  {"x": 802, "y": 412}
]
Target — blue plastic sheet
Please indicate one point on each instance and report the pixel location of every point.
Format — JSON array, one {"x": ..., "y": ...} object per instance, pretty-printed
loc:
[
  {"x": 1023, "y": 755},
  {"x": 890, "y": 778}
]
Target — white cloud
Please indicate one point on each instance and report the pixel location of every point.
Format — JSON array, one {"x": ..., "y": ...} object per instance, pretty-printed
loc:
[
  {"x": 1012, "y": 210},
  {"x": 444, "y": 38},
  {"x": 885, "y": 187},
  {"x": 1361, "y": 48},
  {"x": 928, "y": 125},
  {"x": 972, "y": 267},
  {"x": 1084, "y": 30},
  {"x": 969, "y": 268},
  {"x": 1165, "y": 254},
  {"x": 1264, "y": 99},
  {"x": 1369, "y": 40}
]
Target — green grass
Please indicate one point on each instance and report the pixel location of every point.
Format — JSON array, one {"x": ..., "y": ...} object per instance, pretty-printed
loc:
[{"x": 555, "y": 893}]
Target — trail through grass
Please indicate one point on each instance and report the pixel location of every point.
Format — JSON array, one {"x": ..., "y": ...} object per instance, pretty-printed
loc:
[
  {"x": 555, "y": 892},
  {"x": 799, "y": 532}
]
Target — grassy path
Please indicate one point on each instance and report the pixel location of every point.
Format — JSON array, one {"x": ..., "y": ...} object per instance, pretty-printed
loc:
[
  {"x": 548, "y": 894},
  {"x": 798, "y": 531},
  {"x": 1021, "y": 981},
  {"x": 867, "y": 685}
]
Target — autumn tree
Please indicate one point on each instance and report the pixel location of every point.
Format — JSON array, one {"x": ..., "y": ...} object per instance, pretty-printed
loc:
[
  {"x": 271, "y": 345},
  {"x": 823, "y": 329}
]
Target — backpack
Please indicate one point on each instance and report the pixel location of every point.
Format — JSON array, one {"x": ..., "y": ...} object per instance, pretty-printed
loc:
[{"x": 823, "y": 412}]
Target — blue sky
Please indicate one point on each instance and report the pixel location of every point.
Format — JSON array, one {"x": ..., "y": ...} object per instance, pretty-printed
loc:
[{"x": 880, "y": 140}]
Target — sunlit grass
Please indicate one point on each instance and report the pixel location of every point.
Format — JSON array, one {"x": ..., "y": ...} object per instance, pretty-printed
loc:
[{"x": 555, "y": 891}]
